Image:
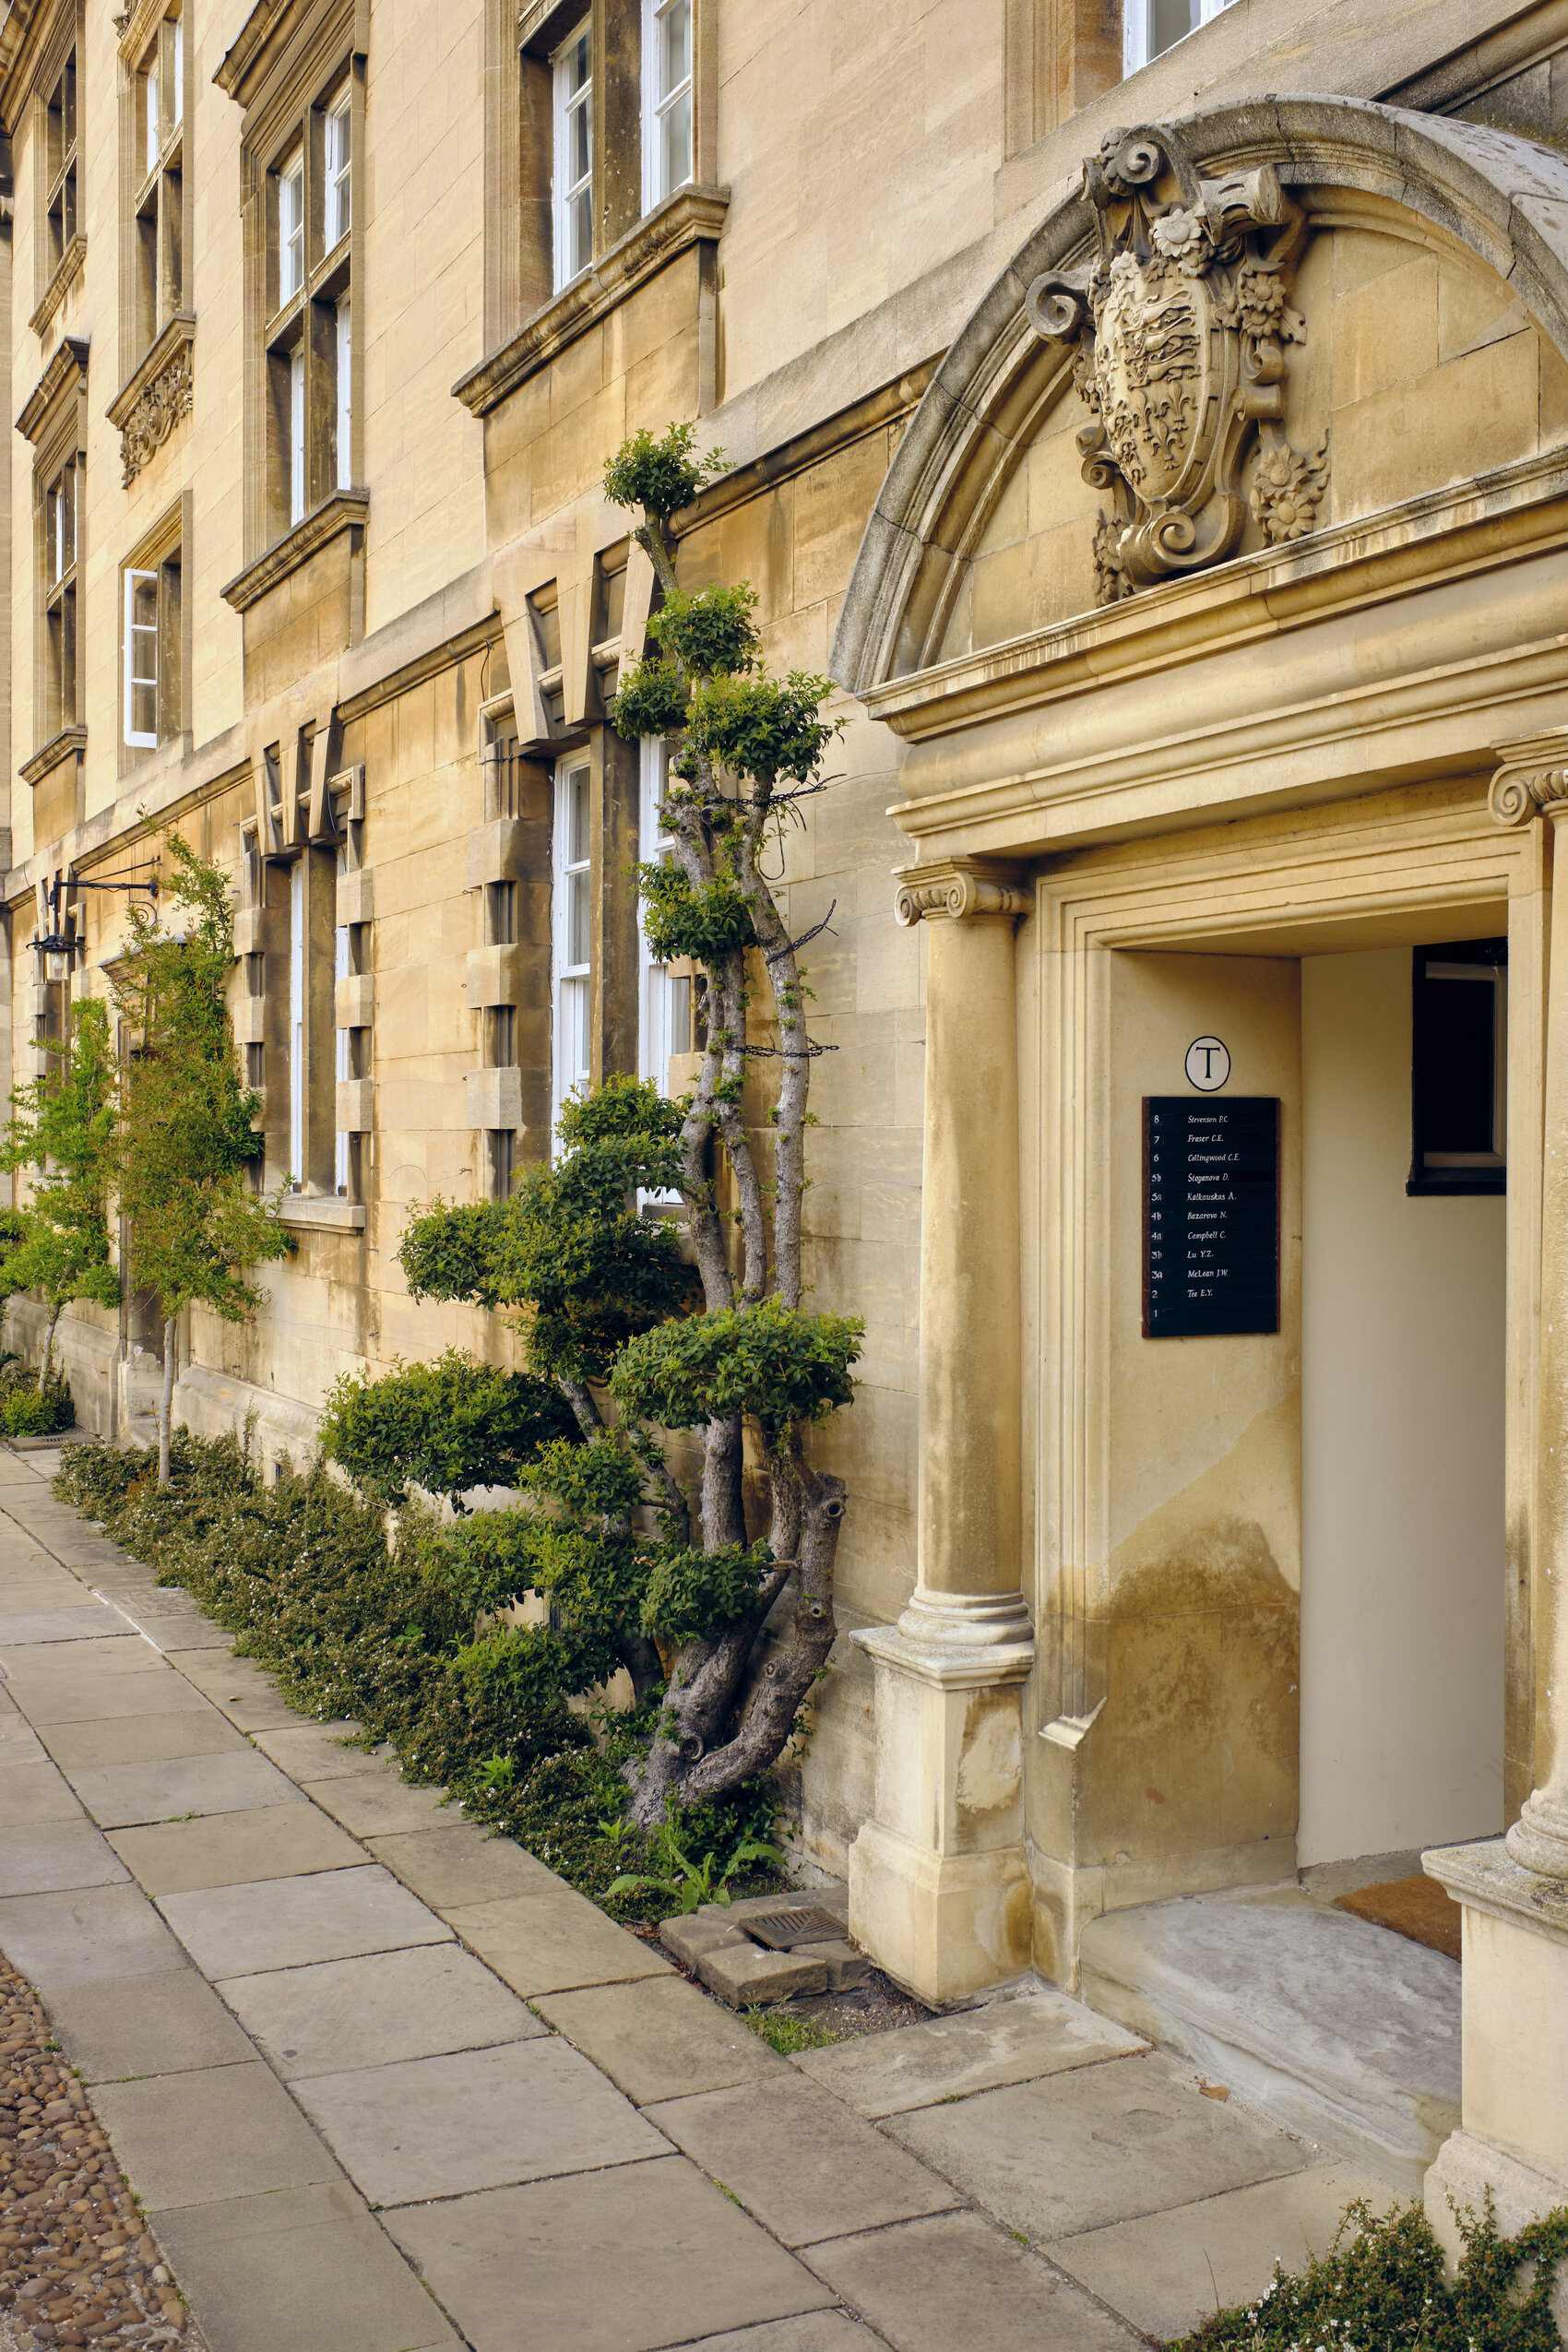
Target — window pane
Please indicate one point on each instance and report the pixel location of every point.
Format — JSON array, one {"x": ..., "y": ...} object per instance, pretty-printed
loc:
[
  {"x": 676, "y": 135},
  {"x": 579, "y": 134},
  {"x": 338, "y": 202},
  {"x": 68, "y": 102},
  {"x": 291, "y": 229},
  {"x": 52, "y": 520},
  {"x": 578, "y": 836},
  {"x": 151, "y": 118},
  {"x": 576, "y": 64},
  {"x": 143, "y": 615},
  {"x": 577, "y": 920},
  {"x": 177, "y": 95},
  {"x": 674, "y": 46},
  {"x": 681, "y": 1014},
  {"x": 1172, "y": 20}
]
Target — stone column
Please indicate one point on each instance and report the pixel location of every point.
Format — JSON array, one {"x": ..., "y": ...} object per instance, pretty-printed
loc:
[
  {"x": 939, "y": 1886},
  {"x": 1514, "y": 1891}
]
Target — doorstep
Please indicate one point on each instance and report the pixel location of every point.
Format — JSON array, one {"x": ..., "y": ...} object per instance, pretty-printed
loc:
[{"x": 1343, "y": 2031}]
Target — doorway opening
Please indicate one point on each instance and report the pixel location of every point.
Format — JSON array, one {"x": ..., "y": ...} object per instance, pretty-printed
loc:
[{"x": 1403, "y": 1392}]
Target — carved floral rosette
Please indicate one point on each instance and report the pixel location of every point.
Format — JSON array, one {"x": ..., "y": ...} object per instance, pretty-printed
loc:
[
  {"x": 159, "y": 408},
  {"x": 1181, "y": 325}
]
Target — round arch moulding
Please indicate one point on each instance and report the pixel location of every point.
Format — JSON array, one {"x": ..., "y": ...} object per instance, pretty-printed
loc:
[{"x": 1502, "y": 198}]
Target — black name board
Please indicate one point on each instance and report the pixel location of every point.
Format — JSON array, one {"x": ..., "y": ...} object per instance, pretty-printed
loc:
[{"x": 1211, "y": 1215}]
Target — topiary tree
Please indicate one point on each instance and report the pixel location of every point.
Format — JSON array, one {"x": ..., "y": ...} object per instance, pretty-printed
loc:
[
  {"x": 183, "y": 1139},
  {"x": 62, "y": 1123},
  {"x": 446, "y": 1427},
  {"x": 658, "y": 1548}
]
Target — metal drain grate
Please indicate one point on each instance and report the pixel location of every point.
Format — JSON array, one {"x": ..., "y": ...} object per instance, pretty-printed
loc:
[{"x": 792, "y": 1924}]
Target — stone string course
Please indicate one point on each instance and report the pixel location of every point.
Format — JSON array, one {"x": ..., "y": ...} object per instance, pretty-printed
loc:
[{"x": 77, "y": 2262}]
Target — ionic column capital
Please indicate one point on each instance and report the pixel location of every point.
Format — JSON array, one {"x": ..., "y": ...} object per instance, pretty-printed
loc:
[
  {"x": 956, "y": 889},
  {"x": 1534, "y": 776}
]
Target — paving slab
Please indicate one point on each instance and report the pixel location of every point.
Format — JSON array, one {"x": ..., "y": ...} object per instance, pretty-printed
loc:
[
  {"x": 1101, "y": 2143},
  {"x": 34, "y": 1793},
  {"x": 122, "y": 1796},
  {"x": 308, "y": 2269},
  {"x": 1010, "y": 2041},
  {"x": 170, "y": 2022},
  {"x": 799, "y": 2161},
  {"x": 660, "y": 2039},
  {"x": 375, "y": 1804},
  {"x": 1170, "y": 2271},
  {"x": 39, "y": 1583},
  {"x": 646, "y": 2255},
  {"x": 86, "y": 1620},
  {"x": 813, "y": 2332},
  {"x": 385, "y": 2005},
  {"x": 461, "y": 1864},
  {"x": 315, "y": 1751},
  {"x": 142, "y": 1738},
  {"x": 54, "y": 1856},
  {"x": 120, "y": 1651},
  {"x": 222, "y": 2132},
  {"x": 959, "y": 2280},
  {"x": 180, "y": 1634},
  {"x": 236, "y": 1685},
  {"x": 552, "y": 1942},
  {"x": 73, "y": 1939},
  {"x": 436, "y": 2127},
  {"x": 89, "y": 1697},
  {"x": 285, "y": 1923},
  {"x": 232, "y": 1849},
  {"x": 20, "y": 1743}
]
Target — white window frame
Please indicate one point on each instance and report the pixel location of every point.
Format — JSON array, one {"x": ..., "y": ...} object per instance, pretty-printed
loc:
[
  {"x": 154, "y": 137},
  {"x": 1136, "y": 17},
  {"x": 340, "y": 158},
  {"x": 571, "y": 983},
  {"x": 657, "y": 986},
  {"x": 564, "y": 193},
  {"x": 341, "y": 1155},
  {"x": 139, "y": 739},
  {"x": 177, "y": 66},
  {"x": 658, "y": 101},
  {"x": 297, "y": 433},
  {"x": 297, "y": 1025},
  {"x": 291, "y": 225}
]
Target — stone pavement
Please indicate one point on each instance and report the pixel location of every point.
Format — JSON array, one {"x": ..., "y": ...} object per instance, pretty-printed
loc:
[{"x": 383, "y": 2084}]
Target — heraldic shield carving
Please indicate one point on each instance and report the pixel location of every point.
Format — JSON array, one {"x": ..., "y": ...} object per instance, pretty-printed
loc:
[{"x": 1181, "y": 325}]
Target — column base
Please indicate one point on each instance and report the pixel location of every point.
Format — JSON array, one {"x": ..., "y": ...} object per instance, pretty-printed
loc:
[
  {"x": 939, "y": 1885},
  {"x": 1464, "y": 2169},
  {"x": 944, "y": 1926},
  {"x": 1539, "y": 1839}
]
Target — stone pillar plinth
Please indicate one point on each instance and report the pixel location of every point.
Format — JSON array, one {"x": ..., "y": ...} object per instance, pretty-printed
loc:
[
  {"x": 1513, "y": 2132},
  {"x": 938, "y": 1887}
]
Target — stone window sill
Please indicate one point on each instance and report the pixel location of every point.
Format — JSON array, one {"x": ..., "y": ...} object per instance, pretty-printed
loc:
[
  {"x": 344, "y": 510},
  {"x": 692, "y": 216},
  {"x": 323, "y": 1212}
]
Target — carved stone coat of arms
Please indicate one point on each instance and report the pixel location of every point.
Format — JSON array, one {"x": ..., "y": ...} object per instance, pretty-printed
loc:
[{"x": 1181, "y": 324}]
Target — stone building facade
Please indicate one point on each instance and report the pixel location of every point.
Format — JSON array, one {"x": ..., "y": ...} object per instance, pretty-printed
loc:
[{"x": 1184, "y": 529}]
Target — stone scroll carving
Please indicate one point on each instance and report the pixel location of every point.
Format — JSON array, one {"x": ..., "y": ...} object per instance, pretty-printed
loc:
[
  {"x": 158, "y": 410},
  {"x": 955, "y": 889},
  {"x": 1534, "y": 776},
  {"x": 1181, "y": 326}
]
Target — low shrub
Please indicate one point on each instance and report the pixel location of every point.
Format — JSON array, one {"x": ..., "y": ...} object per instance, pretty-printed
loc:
[
  {"x": 382, "y": 1629},
  {"x": 31, "y": 1410},
  {"x": 1381, "y": 2288}
]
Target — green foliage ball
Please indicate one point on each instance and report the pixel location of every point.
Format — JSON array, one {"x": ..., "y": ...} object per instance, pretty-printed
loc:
[{"x": 444, "y": 1426}]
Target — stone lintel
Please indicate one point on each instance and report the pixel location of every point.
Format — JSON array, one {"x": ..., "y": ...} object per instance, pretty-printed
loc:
[{"x": 342, "y": 510}]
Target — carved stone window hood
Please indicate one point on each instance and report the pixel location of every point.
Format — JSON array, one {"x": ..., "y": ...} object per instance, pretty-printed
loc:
[
  {"x": 157, "y": 396},
  {"x": 1181, "y": 323}
]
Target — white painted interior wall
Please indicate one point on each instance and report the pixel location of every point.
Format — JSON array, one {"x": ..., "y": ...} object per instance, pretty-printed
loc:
[{"x": 1402, "y": 1441}]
